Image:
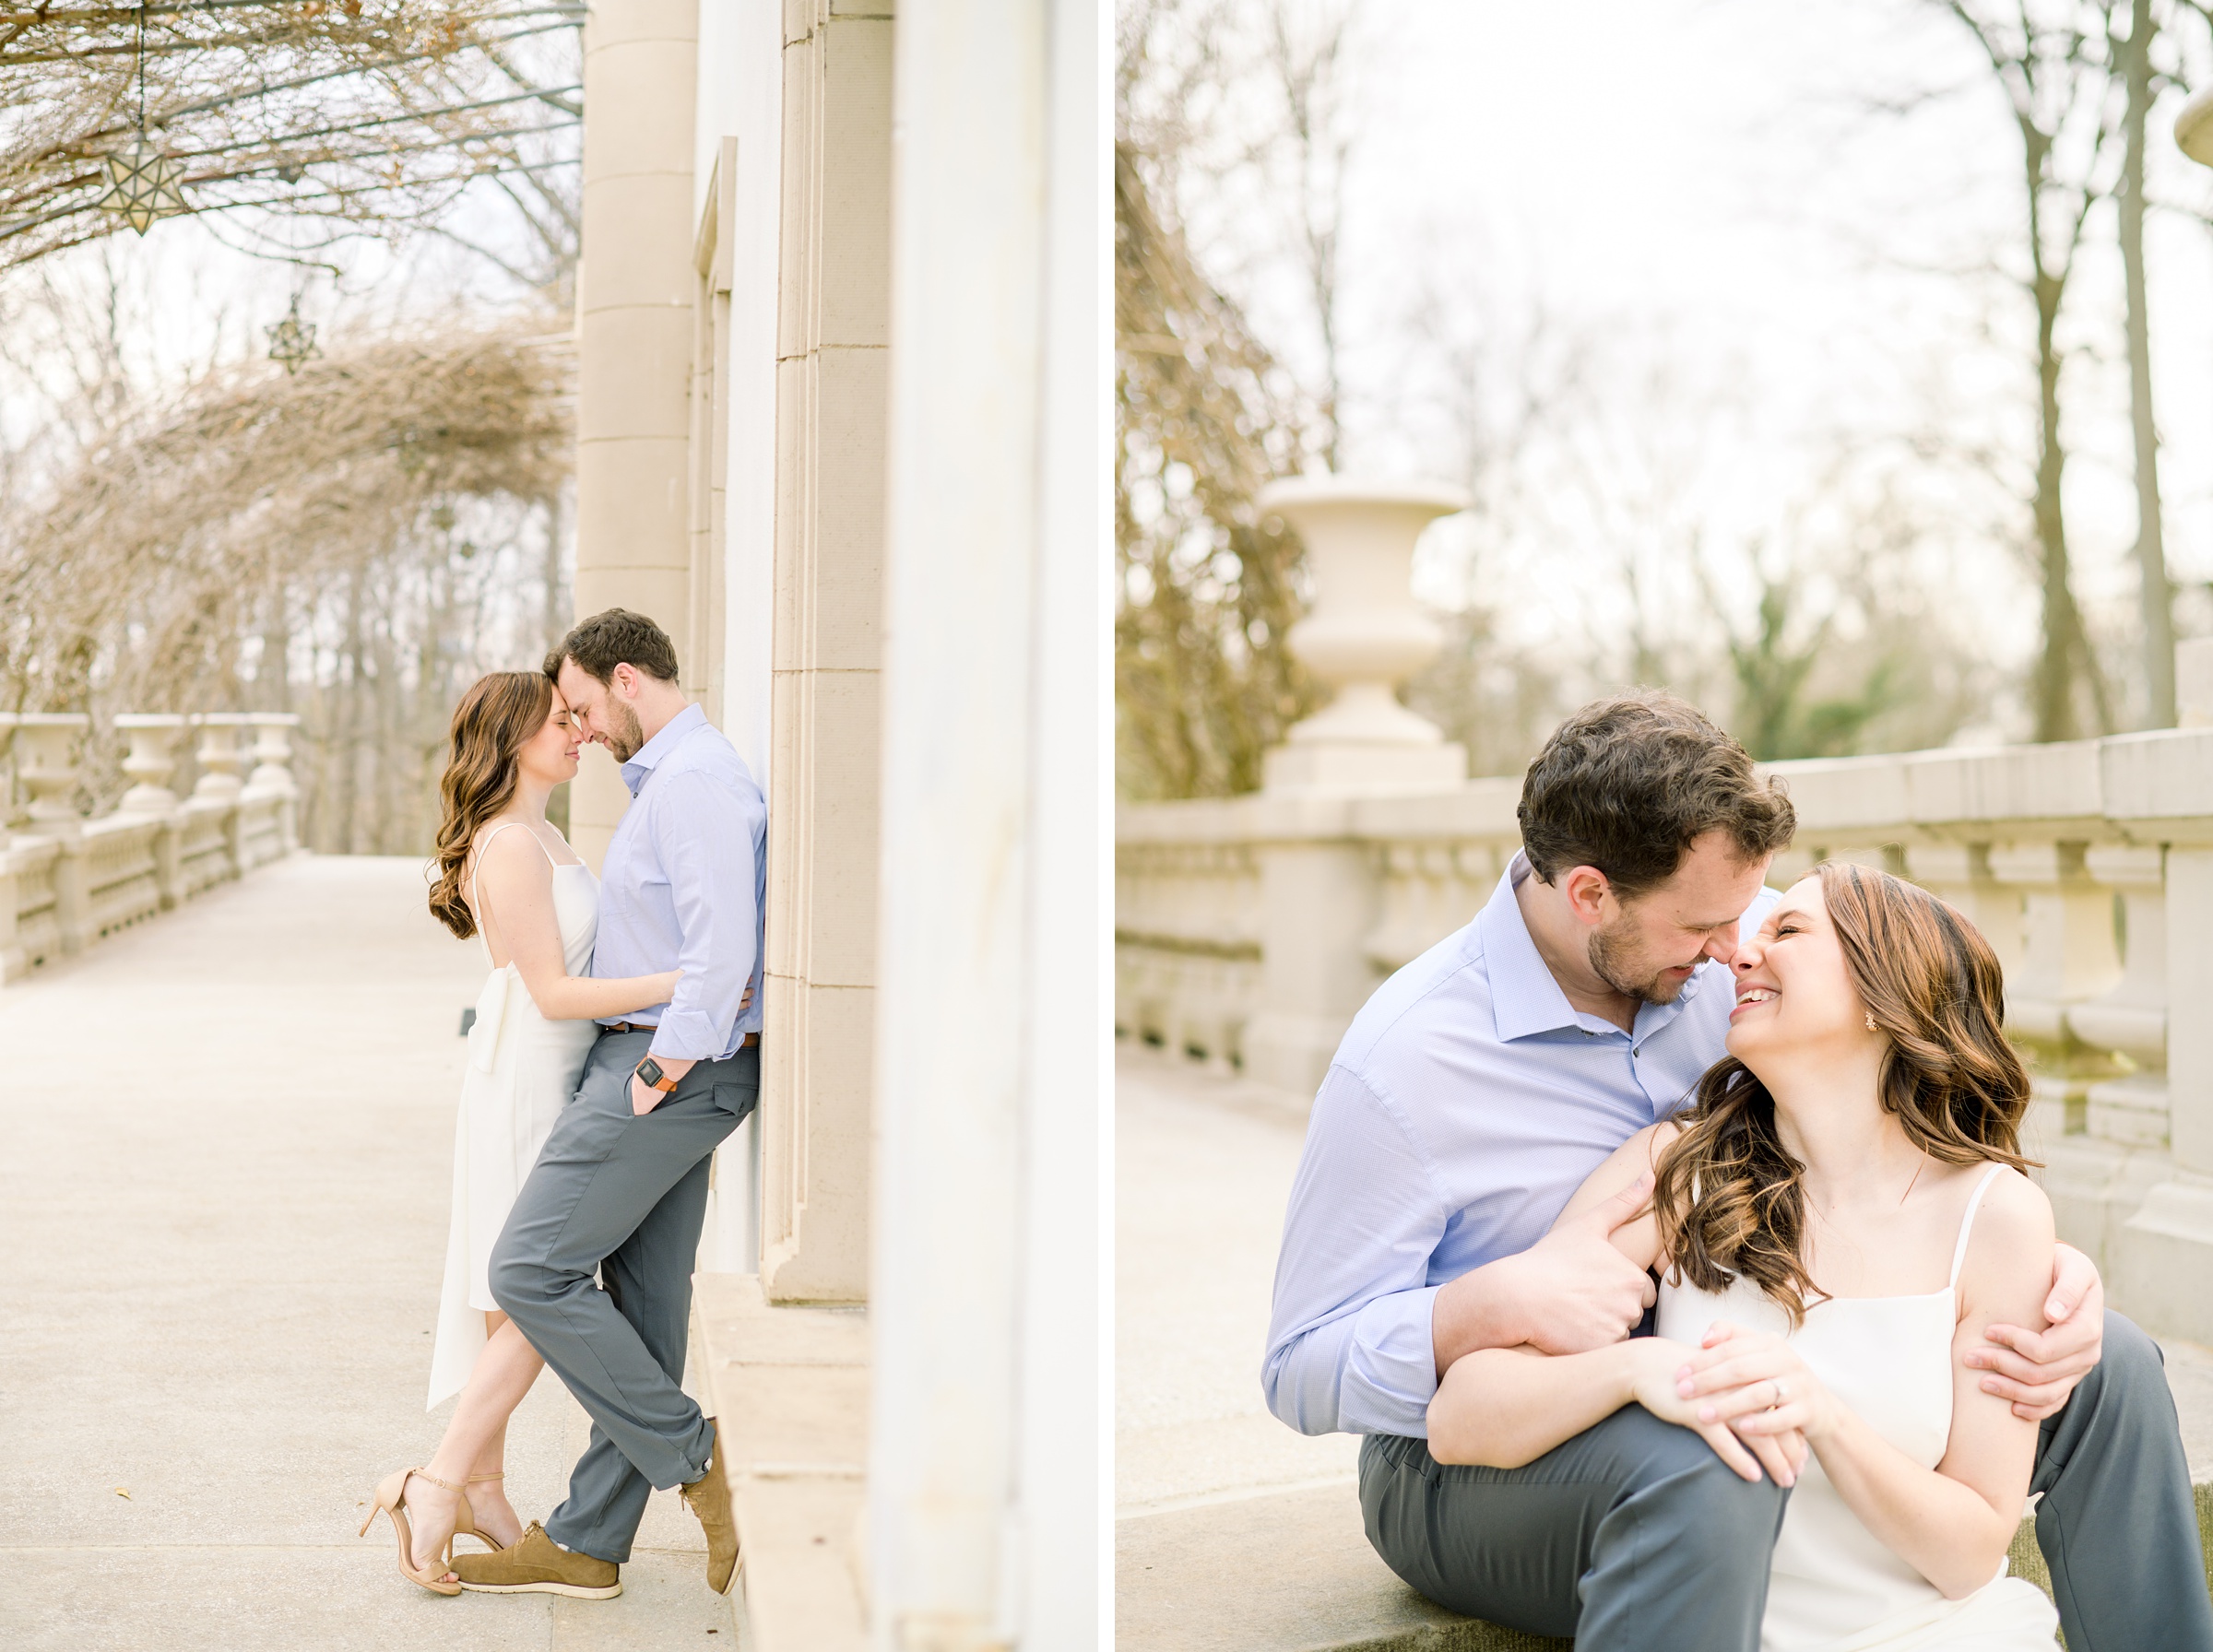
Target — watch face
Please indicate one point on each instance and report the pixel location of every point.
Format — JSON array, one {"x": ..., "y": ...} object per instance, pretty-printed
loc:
[{"x": 650, "y": 1071}]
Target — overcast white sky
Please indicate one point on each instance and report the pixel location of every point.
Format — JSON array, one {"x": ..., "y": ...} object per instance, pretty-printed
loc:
[{"x": 1702, "y": 180}]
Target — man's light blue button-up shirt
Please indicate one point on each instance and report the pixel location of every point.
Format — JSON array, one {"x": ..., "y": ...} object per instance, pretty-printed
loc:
[
  {"x": 684, "y": 886},
  {"x": 1465, "y": 1106}
]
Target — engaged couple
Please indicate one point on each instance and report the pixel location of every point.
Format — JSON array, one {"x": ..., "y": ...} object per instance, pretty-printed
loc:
[
  {"x": 1668, "y": 1239},
  {"x": 615, "y": 1045}
]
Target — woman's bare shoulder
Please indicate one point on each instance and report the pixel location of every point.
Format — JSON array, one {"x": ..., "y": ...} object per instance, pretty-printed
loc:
[
  {"x": 2009, "y": 1248},
  {"x": 511, "y": 857}
]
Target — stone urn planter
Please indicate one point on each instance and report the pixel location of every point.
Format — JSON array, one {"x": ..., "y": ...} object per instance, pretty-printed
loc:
[{"x": 1364, "y": 637}]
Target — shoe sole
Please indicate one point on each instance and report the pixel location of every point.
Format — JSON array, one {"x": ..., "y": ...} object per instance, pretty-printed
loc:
[{"x": 575, "y": 1592}]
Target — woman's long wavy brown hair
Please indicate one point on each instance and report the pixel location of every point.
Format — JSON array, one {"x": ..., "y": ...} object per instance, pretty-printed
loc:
[
  {"x": 1729, "y": 1194},
  {"x": 500, "y": 712}
]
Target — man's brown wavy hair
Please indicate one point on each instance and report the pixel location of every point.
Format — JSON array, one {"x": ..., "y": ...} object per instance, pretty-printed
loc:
[
  {"x": 501, "y": 710},
  {"x": 1728, "y": 1193}
]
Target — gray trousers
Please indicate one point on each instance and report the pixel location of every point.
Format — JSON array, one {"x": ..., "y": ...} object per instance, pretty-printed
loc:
[
  {"x": 1633, "y": 1537},
  {"x": 622, "y": 1196}
]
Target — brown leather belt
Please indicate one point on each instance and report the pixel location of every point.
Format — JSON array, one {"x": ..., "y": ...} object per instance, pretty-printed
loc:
[{"x": 749, "y": 1040}]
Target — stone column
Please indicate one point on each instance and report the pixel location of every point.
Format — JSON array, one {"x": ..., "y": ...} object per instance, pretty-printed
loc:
[
  {"x": 1321, "y": 894},
  {"x": 984, "y": 1528},
  {"x": 46, "y": 744},
  {"x": 152, "y": 759},
  {"x": 633, "y": 323},
  {"x": 818, "y": 1047}
]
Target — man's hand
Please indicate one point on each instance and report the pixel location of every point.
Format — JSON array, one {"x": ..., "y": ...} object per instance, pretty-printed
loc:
[
  {"x": 644, "y": 1098},
  {"x": 2037, "y": 1371},
  {"x": 1569, "y": 1293}
]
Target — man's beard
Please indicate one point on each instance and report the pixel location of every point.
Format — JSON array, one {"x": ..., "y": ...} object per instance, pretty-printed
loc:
[
  {"x": 1619, "y": 967},
  {"x": 627, "y": 736}
]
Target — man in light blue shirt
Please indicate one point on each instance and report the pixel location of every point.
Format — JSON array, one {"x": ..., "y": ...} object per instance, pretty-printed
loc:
[
  {"x": 1471, "y": 1096},
  {"x": 595, "y": 1264}
]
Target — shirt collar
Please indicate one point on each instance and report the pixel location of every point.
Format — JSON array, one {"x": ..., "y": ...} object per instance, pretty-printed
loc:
[
  {"x": 643, "y": 761},
  {"x": 1524, "y": 996}
]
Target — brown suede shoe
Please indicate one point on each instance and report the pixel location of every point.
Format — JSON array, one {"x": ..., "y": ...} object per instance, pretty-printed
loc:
[
  {"x": 535, "y": 1564},
  {"x": 709, "y": 1498}
]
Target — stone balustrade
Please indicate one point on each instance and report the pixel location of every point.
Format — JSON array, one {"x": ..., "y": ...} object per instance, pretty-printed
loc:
[
  {"x": 67, "y": 880},
  {"x": 1249, "y": 930}
]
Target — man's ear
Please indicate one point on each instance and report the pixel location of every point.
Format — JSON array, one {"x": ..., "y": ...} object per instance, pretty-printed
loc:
[
  {"x": 1586, "y": 888},
  {"x": 624, "y": 679}
]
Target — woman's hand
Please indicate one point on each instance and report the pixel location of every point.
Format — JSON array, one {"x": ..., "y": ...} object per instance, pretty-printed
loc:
[
  {"x": 1755, "y": 1384},
  {"x": 1656, "y": 1385}
]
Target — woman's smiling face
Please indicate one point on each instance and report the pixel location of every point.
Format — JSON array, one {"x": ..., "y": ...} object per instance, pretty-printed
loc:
[{"x": 1794, "y": 991}]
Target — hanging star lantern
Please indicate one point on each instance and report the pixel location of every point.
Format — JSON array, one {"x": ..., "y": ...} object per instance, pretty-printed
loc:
[
  {"x": 292, "y": 340},
  {"x": 143, "y": 185}
]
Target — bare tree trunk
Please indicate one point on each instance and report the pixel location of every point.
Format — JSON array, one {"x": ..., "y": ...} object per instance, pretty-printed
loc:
[
  {"x": 2066, "y": 663},
  {"x": 1312, "y": 97},
  {"x": 2155, "y": 595}
]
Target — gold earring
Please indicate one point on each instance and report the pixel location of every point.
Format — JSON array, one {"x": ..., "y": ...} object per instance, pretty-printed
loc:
[{"x": 1871, "y": 1027}]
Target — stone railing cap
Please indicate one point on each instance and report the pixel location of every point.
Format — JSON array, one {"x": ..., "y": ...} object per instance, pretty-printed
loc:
[
  {"x": 150, "y": 719},
  {"x": 274, "y": 719},
  {"x": 51, "y": 719},
  {"x": 1442, "y": 497},
  {"x": 222, "y": 719}
]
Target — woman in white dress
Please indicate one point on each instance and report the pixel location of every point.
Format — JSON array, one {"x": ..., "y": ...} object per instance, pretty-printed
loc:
[
  {"x": 506, "y": 874},
  {"x": 1840, "y": 1217}
]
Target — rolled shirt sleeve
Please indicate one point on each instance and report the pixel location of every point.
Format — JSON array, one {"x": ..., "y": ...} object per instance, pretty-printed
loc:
[
  {"x": 1349, "y": 1344},
  {"x": 703, "y": 833}
]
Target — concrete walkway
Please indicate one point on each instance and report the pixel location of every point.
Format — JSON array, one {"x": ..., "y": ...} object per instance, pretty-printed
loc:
[{"x": 224, "y": 1186}]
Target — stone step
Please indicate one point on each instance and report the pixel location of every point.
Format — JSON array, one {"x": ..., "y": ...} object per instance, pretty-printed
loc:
[{"x": 1292, "y": 1571}]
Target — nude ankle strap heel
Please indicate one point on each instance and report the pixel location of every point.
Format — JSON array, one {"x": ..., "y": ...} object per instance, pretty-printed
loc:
[{"x": 390, "y": 1499}]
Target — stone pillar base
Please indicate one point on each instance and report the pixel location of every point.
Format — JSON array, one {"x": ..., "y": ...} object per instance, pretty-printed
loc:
[
  {"x": 2165, "y": 1258},
  {"x": 2095, "y": 1187},
  {"x": 1319, "y": 767}
]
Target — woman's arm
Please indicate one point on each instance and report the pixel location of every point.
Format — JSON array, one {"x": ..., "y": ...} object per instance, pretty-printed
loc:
[
  {"x": 514, "y": 885},
  {"x": 1505, "y": 1406},
  {"x": 1951, "y": 1525}
]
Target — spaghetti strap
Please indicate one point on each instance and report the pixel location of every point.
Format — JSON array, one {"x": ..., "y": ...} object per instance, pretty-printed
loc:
[
  {"x": 1967, "y": 1222},
  {"x": 476, "y": 866}
]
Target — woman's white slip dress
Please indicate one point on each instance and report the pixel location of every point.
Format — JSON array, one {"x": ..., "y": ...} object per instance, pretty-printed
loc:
[
  {"x": 522, "y": 1070},
  {"x": 1836, "y": 1587}
]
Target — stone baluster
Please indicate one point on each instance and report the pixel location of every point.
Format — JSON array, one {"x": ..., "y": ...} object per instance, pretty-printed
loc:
[
  {"x": 219, "y": 785},
  {"x": 152, "y": 759},
  {"x": 2068, "y": 954},
  {"x": 45, "y": 747},
  {"x": 1959, "y": 875},
  {"x": 2130, "y": 1018},
  {"x": 273, "y": 768},
  {"x": 219, "y": 755},
  {"x": 2165, "y": 1245},
  {"x": 15, "y": 963}
]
